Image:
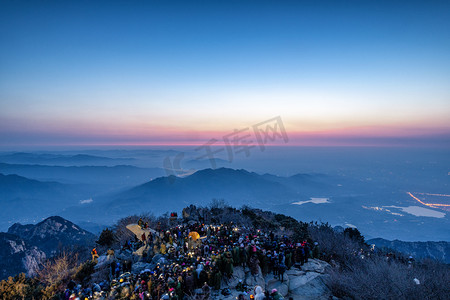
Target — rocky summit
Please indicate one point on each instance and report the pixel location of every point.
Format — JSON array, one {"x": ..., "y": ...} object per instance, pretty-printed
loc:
[{"x": 53, "y": 234}]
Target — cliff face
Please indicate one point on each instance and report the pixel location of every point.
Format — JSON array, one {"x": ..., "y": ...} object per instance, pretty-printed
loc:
[
  {"x": 17, "y": 256},
  {"x": 435, "y": 250}
]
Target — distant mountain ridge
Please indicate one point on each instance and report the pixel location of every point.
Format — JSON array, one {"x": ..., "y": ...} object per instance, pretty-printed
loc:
[
  {"x": 60, "y": 159},
  {"x": 235, "y": 186},
  {"x": 30, "y": 199},
  {"x": 109, "y": 193},
  {"x": 16, "y": 185},
  {"x": 436, "y": 250},
  {"x": 30, "y": 192},
  {"x": 339, "y": 200},
  {"x": 122, "y": 175}
]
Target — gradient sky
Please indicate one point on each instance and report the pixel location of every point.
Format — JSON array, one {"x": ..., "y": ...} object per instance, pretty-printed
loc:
[{"x": 166, "y": 72}]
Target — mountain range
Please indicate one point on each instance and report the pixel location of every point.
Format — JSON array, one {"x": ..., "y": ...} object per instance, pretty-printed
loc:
[
  {"x": 25, "y": 200},
  {"x": 376, "y": 211},
  {"x": 99, "y": 195},
  {"x": 61, "y": 159},
  {"x": 119, "y": 175},
  {"x": 434, "y": 250}
]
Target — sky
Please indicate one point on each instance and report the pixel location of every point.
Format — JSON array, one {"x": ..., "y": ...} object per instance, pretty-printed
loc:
[{"x": 183, "y": 72}]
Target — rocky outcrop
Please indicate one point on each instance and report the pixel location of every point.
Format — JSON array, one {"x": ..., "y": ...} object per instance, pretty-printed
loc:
[
  {"x": 195, "y": 214},
  {"x": 315, "y": 265},
  {"x": 306, "y": 283}
]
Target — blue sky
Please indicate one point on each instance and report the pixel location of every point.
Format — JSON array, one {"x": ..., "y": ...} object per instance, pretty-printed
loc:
[{"x": 87, "y": 72}]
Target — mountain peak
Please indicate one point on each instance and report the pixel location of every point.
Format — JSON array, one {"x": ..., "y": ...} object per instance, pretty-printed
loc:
[
  {"x": 221, "y": 171},
  {"x": 52, "y": 231}
]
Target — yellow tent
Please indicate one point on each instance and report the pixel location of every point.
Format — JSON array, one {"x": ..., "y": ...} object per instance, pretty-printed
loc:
[{"x": 194, "y": 234}]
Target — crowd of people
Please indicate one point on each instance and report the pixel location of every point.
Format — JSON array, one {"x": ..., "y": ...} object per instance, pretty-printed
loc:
[{"x": 196, "y": 261}]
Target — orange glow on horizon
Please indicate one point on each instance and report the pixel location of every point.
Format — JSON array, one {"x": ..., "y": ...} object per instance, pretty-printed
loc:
[{"x": 159, "y": 135}]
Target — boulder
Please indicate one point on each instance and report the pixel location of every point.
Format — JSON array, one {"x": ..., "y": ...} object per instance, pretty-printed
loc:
[
  {"x": 308, "y": 283},
  {"x": 316, "y": 265},
  {"x": 124, "y": 254},
  {"x": 103, "y": 261},
  {"x": 309, "y": 286},
  {"x": 299, "y": 281}
]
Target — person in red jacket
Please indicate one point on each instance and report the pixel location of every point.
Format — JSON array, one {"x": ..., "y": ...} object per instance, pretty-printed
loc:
[{"x": 94, "y": 255}]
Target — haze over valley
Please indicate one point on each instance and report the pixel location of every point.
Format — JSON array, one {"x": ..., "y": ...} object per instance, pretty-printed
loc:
[{"x": 374, "y": 190}]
